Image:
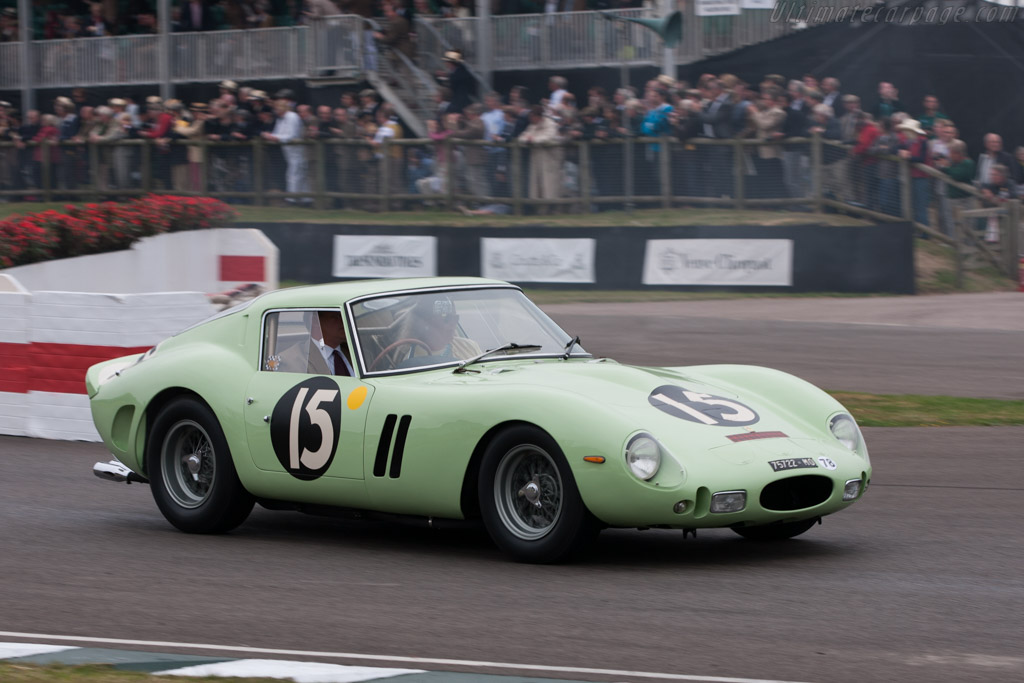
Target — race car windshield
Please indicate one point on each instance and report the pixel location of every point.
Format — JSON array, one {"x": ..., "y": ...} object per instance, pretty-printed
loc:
[{"x": 421, "y": 330}]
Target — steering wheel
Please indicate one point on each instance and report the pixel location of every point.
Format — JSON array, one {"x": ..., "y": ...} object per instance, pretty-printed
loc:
[{"x": 393, "y": 347}]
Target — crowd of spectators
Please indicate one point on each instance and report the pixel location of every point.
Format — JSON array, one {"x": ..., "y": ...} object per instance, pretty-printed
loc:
[
  {"x": 858, "y": 168},
  {"x": 93, "y": 18}
]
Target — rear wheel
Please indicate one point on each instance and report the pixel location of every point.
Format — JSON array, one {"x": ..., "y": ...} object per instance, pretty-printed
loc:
[
  {"x": 528, "y": 498},
  {"x": 191, "y": 473},
  {"x": 775, "y": 532}
]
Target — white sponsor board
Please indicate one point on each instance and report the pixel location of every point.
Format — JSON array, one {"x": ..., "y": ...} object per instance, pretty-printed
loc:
[
  {"x": 757, "y": 4},
  {"x": 738, "y": 262},
  {"x": 538, "y": 260},
  {"x": 384, "y": 256},
  {"x": 717, "y": 8}
]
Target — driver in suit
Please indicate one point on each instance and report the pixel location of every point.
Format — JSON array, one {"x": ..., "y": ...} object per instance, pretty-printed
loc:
[{"x": 326, "y": 353}]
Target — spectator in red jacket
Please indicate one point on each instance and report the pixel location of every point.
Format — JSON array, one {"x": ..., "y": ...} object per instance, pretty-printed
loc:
[
  {"x": 915, "y": 150},
  {"x": 47, "y": 133},
  {"x": 864, "y": 176}
]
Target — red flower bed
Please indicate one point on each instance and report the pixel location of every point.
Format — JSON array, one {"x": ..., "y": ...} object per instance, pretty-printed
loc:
[{"x": 96, "y": 228}]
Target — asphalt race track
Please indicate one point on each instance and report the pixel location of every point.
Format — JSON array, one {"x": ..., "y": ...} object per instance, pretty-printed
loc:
[{"x": 920, "y": 581}]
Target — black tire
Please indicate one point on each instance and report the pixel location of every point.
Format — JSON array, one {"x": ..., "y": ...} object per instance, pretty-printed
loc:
[
  {"x": 528, "y": 498},
  {"x": 775, "y": 532},
  {"x": 191, "y": 473}
]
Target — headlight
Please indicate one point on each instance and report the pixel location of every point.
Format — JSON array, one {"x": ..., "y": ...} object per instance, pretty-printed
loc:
[
  {"x": 846, "y": 431},
  {"x": 643, "y": 455}
]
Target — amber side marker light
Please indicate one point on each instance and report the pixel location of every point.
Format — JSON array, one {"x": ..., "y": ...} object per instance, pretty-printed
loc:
[{"x": 594, "y": 458}]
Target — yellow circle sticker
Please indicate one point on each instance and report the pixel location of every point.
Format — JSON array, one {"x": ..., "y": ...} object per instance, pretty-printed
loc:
[{"x": 356, "y": 398}]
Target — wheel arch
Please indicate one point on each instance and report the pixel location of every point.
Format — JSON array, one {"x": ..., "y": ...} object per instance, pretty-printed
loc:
[{"x": 469, "y": 500}]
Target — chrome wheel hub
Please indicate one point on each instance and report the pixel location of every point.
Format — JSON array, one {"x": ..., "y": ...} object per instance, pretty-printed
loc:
[
  {"x": 188, "y": 464},
  {"x": 528, "y": 492},
  {"x": 532, "y": 493},
  {"x": 194, "y": 463}
]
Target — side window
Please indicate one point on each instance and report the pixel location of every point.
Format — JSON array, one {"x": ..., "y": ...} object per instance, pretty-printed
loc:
[{"x": 288, "y": 341}]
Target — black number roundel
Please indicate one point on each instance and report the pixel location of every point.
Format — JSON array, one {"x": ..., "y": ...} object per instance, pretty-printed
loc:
[
  {"x": 304, "y": 427},
  {"x": 701, "y": 408}
]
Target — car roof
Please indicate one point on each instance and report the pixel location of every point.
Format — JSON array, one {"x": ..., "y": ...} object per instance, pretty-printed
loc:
[{"x": 337, "y": 293}]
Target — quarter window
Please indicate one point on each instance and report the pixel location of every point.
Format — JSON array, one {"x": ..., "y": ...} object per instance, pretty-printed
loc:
[{"x": 288, "y": 340}]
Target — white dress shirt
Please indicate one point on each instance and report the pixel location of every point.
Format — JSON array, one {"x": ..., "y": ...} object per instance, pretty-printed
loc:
[{"x": 328, "y": 353}]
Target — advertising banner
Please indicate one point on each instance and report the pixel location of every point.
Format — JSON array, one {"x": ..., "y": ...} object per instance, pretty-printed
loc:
[
  {"x": 757, "y": 4},
  {"x": 538, "y": 260},
  {"x": 738, "y": 262},
  {"x": 717, "y": 8},
  {"x": 384, "y": 256}
]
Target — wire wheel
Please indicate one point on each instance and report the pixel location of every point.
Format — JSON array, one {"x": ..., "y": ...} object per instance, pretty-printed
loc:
[
  {"x": 188, "y": 464},
  {"x": 528, "y": 492}
]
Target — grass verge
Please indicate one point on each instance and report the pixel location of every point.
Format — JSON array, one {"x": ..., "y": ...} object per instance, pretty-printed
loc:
[
  {"x": 428, "y": 216},
  {"x": 910, "y": 410}
]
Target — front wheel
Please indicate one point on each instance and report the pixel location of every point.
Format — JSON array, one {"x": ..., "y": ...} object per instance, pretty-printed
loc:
[
  {"x": 528, "y": 498},
  {"x": 775, "y": 532},
  {"x": 191, "y": 473}
]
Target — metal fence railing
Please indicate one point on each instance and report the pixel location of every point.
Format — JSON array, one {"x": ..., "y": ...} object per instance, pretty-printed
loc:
[
  {"x": 555, "y": 40},
  {"x": 10, "y": 65},
  {"x": 586, "y": 39},
  {"x": 334, "y": 44},
  {"x": 255, "y": 53},
  {"x": 96, "y": 61},
  {"x": 337, "y": 46},
  {"x": 581, "y": 176}
]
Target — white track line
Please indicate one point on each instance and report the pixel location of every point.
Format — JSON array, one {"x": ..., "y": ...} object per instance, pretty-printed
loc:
[{"x": 388, "y": 658}]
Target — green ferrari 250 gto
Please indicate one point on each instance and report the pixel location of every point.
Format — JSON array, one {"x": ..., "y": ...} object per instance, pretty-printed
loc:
[{"x": 458, "y": 399}]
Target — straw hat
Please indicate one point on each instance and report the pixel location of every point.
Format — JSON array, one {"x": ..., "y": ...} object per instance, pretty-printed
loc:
[
  {"x": 198, "y": 106},
  {"x": 229, "y": 85},
  {"x": 453, "y": 56},
  {"x": 154, "y": 99},
  {"x": 117, "y": 102},
  {"x": 912, "y": 125},
  {"x": 64, "y": 101}
]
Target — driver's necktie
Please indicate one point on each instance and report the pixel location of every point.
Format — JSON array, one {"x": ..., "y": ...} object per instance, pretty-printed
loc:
[{"x": 339, "y": 364}]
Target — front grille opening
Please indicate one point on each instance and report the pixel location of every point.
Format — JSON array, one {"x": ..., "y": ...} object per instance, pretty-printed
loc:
[{"x": 796, "y": 493}]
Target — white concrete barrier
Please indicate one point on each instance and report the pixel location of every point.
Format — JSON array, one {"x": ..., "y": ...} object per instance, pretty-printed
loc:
[
  {"x": 193, "y": 261},
  {"x": 49, "y": 339},
  {"x": 57, "y": 318},
  {"x": 14, "y": 359}
]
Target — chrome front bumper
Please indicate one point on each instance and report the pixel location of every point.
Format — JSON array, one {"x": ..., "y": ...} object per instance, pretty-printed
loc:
[{"x": 115, "y": 470}]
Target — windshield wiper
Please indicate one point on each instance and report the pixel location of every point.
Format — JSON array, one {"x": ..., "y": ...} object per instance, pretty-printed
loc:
[
  {"x": 570, "y": 346},
  {"x": 509, "y": 349}
]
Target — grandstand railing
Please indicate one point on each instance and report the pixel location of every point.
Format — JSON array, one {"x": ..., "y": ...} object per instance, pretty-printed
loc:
[
  {"x": 10, "y": 65},
  {"x": 336, "y": 45},
  {"x": 578, "y": 176},
  {"x": 586, "y": 39},
  {"x": 333, "y": 44},
  {"x": 96, "y": 61}
]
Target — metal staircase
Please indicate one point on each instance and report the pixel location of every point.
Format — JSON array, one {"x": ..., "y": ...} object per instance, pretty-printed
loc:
[{"x": 409, "y": 89}]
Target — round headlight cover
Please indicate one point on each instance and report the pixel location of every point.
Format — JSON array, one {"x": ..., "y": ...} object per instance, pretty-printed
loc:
[
  {"x": 643, "y": 455},
  {"x": 845, "y": 429}
]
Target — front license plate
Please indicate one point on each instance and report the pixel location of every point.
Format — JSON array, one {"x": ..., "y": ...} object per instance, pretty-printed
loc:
[{"x": 792, "y": 464}]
